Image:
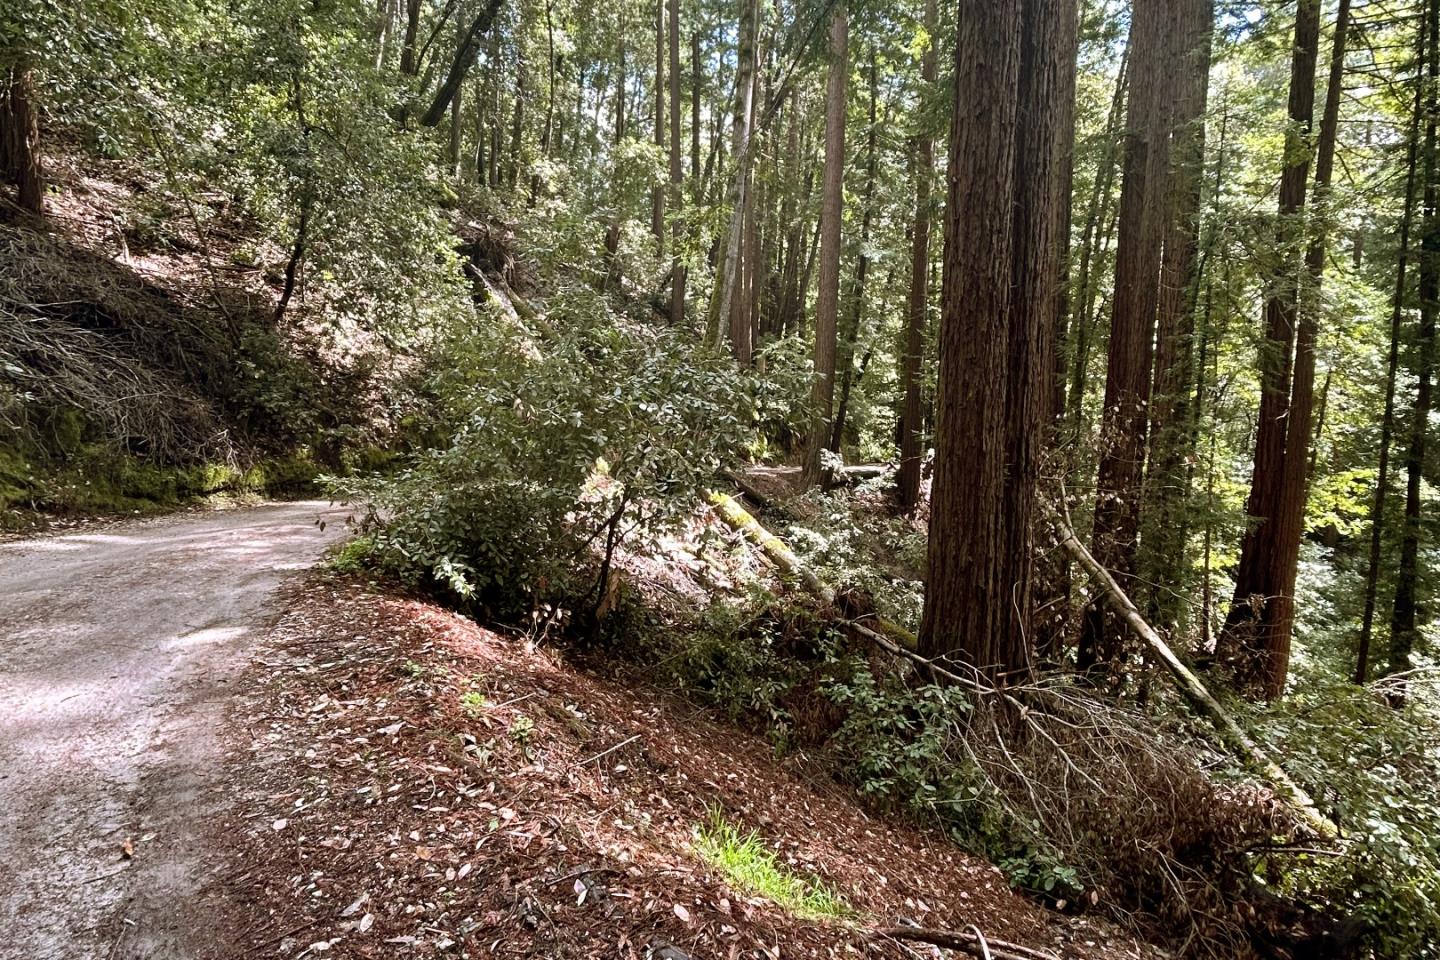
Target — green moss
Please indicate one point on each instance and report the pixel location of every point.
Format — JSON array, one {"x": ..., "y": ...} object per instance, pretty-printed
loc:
[
  {"x": 65, "y": 431},
  {"x": 207, "y": 479},
  {"x": 288, "y": 474}
]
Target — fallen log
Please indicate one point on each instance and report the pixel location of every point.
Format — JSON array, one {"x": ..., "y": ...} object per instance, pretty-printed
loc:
[
  {"x": 1232, "y": 735},
  {"x": 740, "y": 520}
]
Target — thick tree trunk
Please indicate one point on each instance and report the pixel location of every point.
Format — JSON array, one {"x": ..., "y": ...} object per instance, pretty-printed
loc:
[
  {"x": 1407, "y": 576},
  {"x": 1274, "y": 663},
  {"x": 1256, "y": 637},
  {"x": 1005, "y": 179},
  {"x": 20, "y": 140},
  {"x": 657, "y": 195},
  {"x": 827, "y": 302},
  {"x": 1132, "y": 323},
  {"x": 1392, "y": 365},
  {"x": 913, "y": 359}
]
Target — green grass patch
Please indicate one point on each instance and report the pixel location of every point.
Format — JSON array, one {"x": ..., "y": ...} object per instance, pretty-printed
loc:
[{"x": 752, "y": 866}]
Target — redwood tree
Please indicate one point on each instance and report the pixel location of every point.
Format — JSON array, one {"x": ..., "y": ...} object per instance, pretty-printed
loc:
[
  {"x": 1001, "y": 275},
  {"x": 1256, "y": 637},
  {"x": 913, "y": 357},
  {"x": 1403, "y": 619},
  {"x": 1132, "y": 321}
]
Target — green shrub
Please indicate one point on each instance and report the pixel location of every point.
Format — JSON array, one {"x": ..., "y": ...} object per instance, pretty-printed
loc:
[
  {"x": 563, "y": 449},
  {"x": 1380, "y": 774}
]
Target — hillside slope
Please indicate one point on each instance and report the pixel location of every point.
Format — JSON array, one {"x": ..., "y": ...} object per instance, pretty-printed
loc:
[{"x": 416, "y": 785}]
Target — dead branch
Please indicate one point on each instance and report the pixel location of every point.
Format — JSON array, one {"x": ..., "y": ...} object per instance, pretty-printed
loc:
[
  {"x": 1231, "y": 734},
  {"x": 975, "y": 944}
]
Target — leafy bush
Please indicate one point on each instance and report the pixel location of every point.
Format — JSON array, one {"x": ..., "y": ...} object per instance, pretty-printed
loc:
[
  {"x": 563, "y": 448},
  {"x": 1381, "y": 778}
]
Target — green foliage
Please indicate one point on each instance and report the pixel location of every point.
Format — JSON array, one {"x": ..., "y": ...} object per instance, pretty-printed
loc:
[
  {"x": 899, "y": 744},
  {"x": 747, "y": 862},
  {"x": 561, "y": 450},
  {"x": 353, "y": 556},
  {"x": 1381, "y": 778}
]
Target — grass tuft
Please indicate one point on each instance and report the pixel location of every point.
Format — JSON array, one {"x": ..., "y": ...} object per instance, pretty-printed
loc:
[{"x": 751, "y": 866}]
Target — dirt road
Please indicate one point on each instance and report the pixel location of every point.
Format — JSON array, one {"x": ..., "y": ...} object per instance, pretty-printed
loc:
[{"x": 119, "y": 651}]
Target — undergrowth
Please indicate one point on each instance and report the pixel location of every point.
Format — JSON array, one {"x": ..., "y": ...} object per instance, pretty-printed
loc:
[{"x": 749, "y": 864}]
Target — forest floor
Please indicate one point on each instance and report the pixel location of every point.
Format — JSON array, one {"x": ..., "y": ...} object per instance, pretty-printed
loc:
[
  {"x": 205, "y": 756},
  {"x": 416, "y": 785}
]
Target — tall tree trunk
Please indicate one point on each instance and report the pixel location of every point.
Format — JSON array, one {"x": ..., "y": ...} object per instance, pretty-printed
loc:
[
  {"x": 1165, "y": 544},
  {"x": 1274, "y": 664},
  {"x": 913, "y": 359},
  {"x": 1132, "y": 321},
  {"x": 1407, "y": 576},
  {"x": 547, "y": 132},
  {"x": 1001, "y": 272},
  {"x": 460, "y": 65},
  {"x": 730, "y": 275},
  {"x": 657, "y": 211},
  {"x": 1050, "y": 610},
  {"x": 677, "y": 177},
  {"x": 827, "y": 302},
  {"x": 20, "y": 140},
  {"x": 1392, "y": 364},
  {"x": 456, "y": 137},
  {"x": 1096, "y": 233},
  {"x": 1256, "y": 637},
  {"x": 697, "y": 87},
  {"x": 409, "y": 63},
  {"x": 846, "y": 358},
  {"x": 517, "y": 124}
]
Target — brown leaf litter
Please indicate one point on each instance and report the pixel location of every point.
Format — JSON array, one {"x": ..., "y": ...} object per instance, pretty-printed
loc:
[{"x": 416, "y": 785}]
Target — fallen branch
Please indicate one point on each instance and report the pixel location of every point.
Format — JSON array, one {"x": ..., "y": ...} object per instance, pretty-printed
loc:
[
  {"x": 740, "y": 520},
  {"x": 975, "y": 944},
  {"x": 1231, "y": 734},
  {"x": 895, "y": 639}
]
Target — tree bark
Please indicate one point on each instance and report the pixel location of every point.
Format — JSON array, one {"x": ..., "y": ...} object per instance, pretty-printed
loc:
[
  {"x": 677, "y": 176},
  {"x": 1392, "y": 365},
  {"x": 846, "y": 359},
  {"x": 409, "y": 63},
  {"x": 1132, "y": 321},
  {"x": 1164, "y": 547},
  {"x": 729, "y": 277},
  {"x": 460, "y": 65},
  {"x": 1403, "y": 618},
  {"x": 827, "y": 302},
  {"x": 1096, "y": 232},
  {"x": 1001, "y": 271},
  {"x": 657, "y": 195},
  {"x": 1256, "y": 636},
  {"x": 20, "y": 140}
]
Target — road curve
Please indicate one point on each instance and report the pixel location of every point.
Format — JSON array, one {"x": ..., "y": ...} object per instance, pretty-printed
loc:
[{"x": 119, "y": 650}]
